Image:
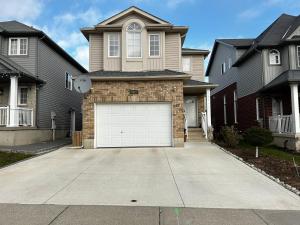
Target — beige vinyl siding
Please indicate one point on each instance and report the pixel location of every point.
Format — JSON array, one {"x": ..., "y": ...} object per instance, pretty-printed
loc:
[
  {"x": 293, "y": 57},
  {"x": 272, "y": 71},
  {"x": 197, "y": 67},
  {"x": 173, "y": 51},
  {"x": 123, "y": 20},
  {"x": 111, "y": 63},
  {"x": 96, "y": 52},
  {"x": 156, "y": 63}
]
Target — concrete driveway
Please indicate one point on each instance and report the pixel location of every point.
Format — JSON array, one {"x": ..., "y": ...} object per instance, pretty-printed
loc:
[{"x": 199, "y": 175}]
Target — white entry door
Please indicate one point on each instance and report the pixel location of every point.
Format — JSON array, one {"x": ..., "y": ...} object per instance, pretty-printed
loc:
[
  {"x": 133, "y": 125},
  {"x": 190, "y": 106}
]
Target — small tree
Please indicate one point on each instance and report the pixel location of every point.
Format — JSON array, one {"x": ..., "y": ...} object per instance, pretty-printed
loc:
[
  {"x": 230, "y": 136},
  {"x": 258, "y": 137}
]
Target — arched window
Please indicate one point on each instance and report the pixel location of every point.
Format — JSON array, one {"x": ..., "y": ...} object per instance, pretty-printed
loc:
[
  {"x": 134, "y": 47},
  {"x": 274, "y": 57}
]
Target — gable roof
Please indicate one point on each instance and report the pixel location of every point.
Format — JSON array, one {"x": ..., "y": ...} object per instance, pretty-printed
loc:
[
  {"x": 235, "y": 43},
  {"x": 14, "y": 68},
  {"x": 275, "y": 35},
  {"x": 15, "y": 28},
  {"x": 135, "y": 10}
]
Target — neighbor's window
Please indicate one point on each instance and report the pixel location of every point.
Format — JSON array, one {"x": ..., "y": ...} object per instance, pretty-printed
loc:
[
  {"x": 186, "y": 64},
  {"x": 18, "y": 46},
  {"x": 274, "y": 57},
  {"x": 298, "y": 55},
  {"x": 23, "y": 95},
  {"x": 113, "y": 45},
  {"x": 223, "y": 68},
  {"x": 225, "y": 109},
  {"x": 68, "y": 81},
  {"x": 154, "y": 45},
  {"x": 229, "y": 63},
  {"x": 134, "y": 47}
]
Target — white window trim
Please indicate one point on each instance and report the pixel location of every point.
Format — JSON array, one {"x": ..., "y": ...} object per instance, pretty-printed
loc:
[
  {"x": 159, "y": 45},
  {"x": 129, "y": 57},
  {"x": 223, "y": 68},
  {"x": 257, "y": 108},
  {"x": 235, "y": 106},
  {"x": 190, "y": 66},
  {"x": 19, "y": 95},
  {"x": 298, "y": 55},
  {"x": 108, "y": 45},
  {"x": 71, "y": 87},
  {"x": 18, "y": 45},
  {"x": 279, "y": 57},
  {"x": 225, "y": 110}
]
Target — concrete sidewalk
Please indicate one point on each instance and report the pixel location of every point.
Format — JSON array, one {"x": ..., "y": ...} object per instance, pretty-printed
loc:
[{"x": 15, "y": 214}]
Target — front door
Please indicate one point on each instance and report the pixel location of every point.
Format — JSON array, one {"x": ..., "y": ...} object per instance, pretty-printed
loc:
[{"x": 190, "y": 106}]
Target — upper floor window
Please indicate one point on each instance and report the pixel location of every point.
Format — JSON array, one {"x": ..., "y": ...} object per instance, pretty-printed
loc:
[
  {"x": 186, "y": 64},
  {"x": 18, "y": 46},
  {"x": 134, "y": 47},
  {"x": 113, "y": 45},
  {"x": 229, "y": 63},
  {"x": 68, "y": 81},
  {"x": 298, "y": 55},
  {"x": 223, "y": 68},
  {"x": 154, "y": 45},
  {"x": 274, "y": 57}
]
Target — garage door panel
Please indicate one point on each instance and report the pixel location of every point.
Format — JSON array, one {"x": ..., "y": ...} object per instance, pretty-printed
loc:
[{"x": 133, "y": 125}]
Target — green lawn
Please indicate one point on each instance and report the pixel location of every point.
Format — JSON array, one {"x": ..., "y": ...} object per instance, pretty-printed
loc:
[
  {"x": 273, "y": 151},
  {"x": 9, "y": 158}
]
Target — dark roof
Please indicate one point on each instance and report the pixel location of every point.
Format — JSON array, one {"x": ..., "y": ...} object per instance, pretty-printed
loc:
[
  {"x": 14, "y": 68},
  {"x": 238, "y": 43},
  {"x": 288, "y": 76},
  {"x": 127, "y": 74},
  {"x": 15, "y": 28},
  {"x": 195, "y": 83},
  {"x": 276, "y": 34},
  {"x": 193, "y": 51}
]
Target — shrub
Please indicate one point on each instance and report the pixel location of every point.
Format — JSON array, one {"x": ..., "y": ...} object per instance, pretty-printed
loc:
[
  {"x": 229, "y": 136},
  {"x": 257, "y": 136}
]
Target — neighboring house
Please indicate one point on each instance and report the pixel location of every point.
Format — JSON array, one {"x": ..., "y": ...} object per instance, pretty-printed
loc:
[
  {"x": 142, "y": 82},
  {"x": 258, "y": 81},
  {"x": 35, "y": 86}
]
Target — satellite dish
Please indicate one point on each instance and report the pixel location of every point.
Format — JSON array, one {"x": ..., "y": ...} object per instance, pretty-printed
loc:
[{"x": 82, "y": 84}]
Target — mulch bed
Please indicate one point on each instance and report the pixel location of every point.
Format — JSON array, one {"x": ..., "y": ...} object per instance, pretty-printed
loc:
[{"x": 282, "y": 169}]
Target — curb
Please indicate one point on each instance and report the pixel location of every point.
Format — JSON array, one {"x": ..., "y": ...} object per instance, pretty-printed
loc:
[{"x": 277, "y": 180}]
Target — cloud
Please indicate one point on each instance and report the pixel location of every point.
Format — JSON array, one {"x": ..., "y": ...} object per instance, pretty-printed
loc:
[
  {"x": 27, "y": 10},
  {"x": 250, "y": 14},
  {"x": 81, "y": 54},
  {"x": 175, "y": 3}
]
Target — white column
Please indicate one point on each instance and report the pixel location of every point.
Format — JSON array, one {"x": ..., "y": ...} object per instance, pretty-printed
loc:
[
  {"x": 208, "y": 108},
  {"x": 13, "y": 102},
  {"x": 295, "y": 107}
]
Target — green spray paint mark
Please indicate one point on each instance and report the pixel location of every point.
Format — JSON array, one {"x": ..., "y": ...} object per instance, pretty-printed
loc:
[{"x": 177, "y": 211}]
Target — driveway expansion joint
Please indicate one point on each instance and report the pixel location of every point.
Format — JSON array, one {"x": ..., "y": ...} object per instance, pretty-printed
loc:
[{"x": 59, "y": 214}]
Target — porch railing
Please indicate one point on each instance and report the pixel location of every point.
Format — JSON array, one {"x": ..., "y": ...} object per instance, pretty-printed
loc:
[
  {"x": 24, "y": 116},
  {"x": 4, "y": 116},
  {"x": 281, "y": 124},
  {"x": 204, "y": 123}
]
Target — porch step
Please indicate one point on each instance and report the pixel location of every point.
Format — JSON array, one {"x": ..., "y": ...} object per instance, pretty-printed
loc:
[{"x": 195, "y": 135}]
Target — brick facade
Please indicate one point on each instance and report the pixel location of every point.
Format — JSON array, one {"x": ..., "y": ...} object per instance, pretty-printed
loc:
[{"x": 148, "y": 91}]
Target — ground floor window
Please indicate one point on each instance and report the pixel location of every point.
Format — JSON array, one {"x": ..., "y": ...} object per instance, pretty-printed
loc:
[
  {"x": 225, "y": 110},
  {"x": 235, "y": 106}
]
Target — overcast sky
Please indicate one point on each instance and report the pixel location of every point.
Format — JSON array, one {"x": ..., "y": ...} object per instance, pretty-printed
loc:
[{"x": 207, "y": 19}]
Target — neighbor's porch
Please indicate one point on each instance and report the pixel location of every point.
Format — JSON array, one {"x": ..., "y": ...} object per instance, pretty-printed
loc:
[
  {"x": 197, "y": 109},
  {"x": 278, "y": 110},
  {"x": 17, "y": 101}
]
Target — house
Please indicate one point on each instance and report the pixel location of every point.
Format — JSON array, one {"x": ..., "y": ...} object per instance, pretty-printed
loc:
[
  {"x": 258, "y": 81},
  {"x": 143, "y": 82},
  {"x": 36, "y": 91}
]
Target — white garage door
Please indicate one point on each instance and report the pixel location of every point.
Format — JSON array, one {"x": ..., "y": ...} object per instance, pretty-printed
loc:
[{"x": 133, "y": 125}]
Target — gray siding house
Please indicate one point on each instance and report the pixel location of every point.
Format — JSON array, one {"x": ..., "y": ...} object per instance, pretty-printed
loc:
[
  {"x": 36, "y": 92},
  {"x": 258, "y": 81}
]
